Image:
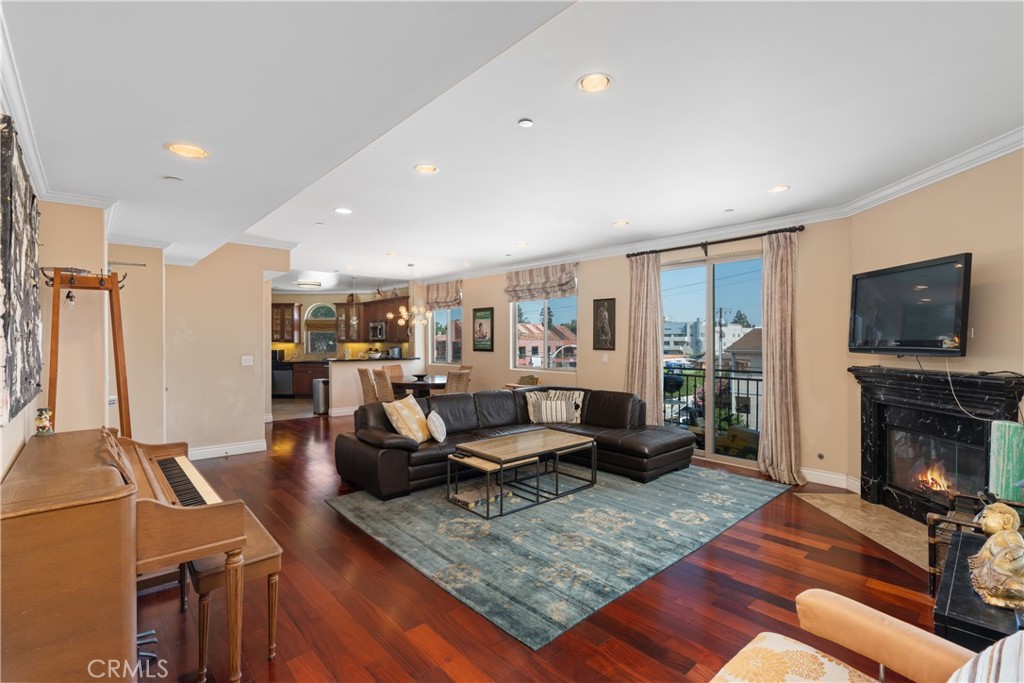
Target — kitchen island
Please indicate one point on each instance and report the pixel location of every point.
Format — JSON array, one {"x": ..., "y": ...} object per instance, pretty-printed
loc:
[{"x": 347, "y": 392}]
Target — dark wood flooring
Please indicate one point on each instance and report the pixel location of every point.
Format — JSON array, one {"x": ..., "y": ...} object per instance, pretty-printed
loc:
[{"x": 351, "y": 610}]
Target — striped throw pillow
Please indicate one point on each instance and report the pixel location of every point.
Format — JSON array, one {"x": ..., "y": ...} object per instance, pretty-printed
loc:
[
  {"x": 407, "y": 418},
  {"x": 573, "y": 397},
  {"x": 1001, "y": 662},
  {"x": 549, "y": 412},
  {"x": 532, "y": 398}
]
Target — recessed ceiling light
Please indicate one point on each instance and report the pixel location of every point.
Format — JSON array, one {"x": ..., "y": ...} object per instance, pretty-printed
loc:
[
  {"x": 466, "y": 264},
  {"x": 620, "y": 224},
  {"x": 594, "y": 82},
  {"x": 522, "y": 244},
  {"x": 920, "y": 287},
  {"x": 525, "y": 123},
  {"x": 319, "y": 224},
  {"x": 925, "y": 300},
  {"x": 729, "y": 210},
  {"x": 778, "y": 188},
  {"x": 173, "y": 179},
  {"x": 308, "y": 284},
  {"x": 186, "y": 150},
  {"x": 343, "y": 211},
  {"x": 350, "y": 267},
  {"x": 391, "y": 253},
  {"x": 426, "y": 169}
]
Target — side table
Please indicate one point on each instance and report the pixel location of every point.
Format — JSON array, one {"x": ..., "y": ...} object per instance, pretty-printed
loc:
[{"x": 961, "y": 616}]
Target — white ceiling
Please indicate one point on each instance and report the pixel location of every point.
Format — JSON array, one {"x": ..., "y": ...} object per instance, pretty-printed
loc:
[{"x": 307, "y": 107}]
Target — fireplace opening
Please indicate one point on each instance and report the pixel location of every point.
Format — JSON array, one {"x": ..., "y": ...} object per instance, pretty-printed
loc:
[{"x": 933, "y": 468}]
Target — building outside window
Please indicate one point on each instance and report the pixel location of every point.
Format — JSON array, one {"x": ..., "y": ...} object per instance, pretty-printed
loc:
[
  {"x": 446, "y": 341},
  {"x": 548, "y": 328},
  {"x": 321, "y": 330}
]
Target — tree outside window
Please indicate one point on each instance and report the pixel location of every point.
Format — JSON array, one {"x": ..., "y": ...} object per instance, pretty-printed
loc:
[
  {"x": 321, "y": 332},
  {"x": 546, "y": 327},
  {"x": 446, "y": 336}
]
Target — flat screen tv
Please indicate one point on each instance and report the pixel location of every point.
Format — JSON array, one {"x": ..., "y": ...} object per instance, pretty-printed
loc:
[{"x": 918, "y": 309}]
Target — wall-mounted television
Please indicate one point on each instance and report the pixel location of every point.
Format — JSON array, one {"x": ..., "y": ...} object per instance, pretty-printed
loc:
[{"x": 918, "y": 309}]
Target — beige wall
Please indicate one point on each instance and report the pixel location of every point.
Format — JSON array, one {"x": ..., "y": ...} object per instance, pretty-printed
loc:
[
  {"x": 74, "y": 236},
  {"x": 142, "y": 315},
  {"x": 979, "y": 210},
  {"x": 14, "y": 434},
  {"x": 216, "y": 313}
]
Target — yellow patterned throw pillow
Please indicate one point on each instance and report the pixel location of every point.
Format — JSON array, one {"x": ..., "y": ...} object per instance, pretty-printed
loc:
[{"x": 407, "y": 418}]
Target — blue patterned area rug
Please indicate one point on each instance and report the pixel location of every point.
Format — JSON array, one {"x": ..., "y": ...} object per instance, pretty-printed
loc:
[{"x": 538, "y": 572}]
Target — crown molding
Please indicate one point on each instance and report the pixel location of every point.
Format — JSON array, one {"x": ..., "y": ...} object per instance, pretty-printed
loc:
[
  {"x": 257, "y": 241},
  {"x": 983, "y": 153},
  {"x": 12, "y": 101},
  {"x": 133, "y": 241}
]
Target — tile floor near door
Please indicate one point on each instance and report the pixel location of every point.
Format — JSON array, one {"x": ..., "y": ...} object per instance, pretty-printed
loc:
[{"x": 291, "y": 408}]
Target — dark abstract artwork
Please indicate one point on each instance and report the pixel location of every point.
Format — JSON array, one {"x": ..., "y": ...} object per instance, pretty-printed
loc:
[{"x": 21, "y": 328}]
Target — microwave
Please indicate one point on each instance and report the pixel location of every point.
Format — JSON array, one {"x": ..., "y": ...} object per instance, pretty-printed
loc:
[{"x": 377, "y": 330}]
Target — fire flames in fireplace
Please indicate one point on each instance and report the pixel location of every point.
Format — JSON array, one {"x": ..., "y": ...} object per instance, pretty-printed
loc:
[{"x": 932, "y": 478}]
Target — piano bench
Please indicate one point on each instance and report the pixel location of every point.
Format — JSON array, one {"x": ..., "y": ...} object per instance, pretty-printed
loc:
[{"x": 262, "y": 557}]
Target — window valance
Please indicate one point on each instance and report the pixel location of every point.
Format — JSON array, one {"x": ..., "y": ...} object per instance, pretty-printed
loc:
[
  {"x": 549, "y": 282},
  {"x": 444, "y": 294}
]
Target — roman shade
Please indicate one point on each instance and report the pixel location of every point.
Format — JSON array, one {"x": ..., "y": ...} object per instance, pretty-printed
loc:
[
  {"x": 548, "y": 282},
  {"x": 444, "y": 295}
]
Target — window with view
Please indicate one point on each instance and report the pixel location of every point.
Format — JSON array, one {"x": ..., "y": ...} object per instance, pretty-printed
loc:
[
  {"x": 446, "y": 342},
  {"x": 545, "y": 333},
  {"x": 321, "y": 334}
]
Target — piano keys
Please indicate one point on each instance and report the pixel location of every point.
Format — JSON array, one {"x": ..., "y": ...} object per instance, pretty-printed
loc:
[{"x": 81, "y": 514}]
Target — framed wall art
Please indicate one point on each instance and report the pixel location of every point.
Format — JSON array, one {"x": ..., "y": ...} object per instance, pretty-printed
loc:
[
  {"x": 604, "y": 324},
  {"x": 20, "y": 319},
  {"x": 483, "y": 329}
]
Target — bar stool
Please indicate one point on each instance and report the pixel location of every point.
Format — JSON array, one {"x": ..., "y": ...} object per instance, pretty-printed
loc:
[{"x": 262, "y": 557}]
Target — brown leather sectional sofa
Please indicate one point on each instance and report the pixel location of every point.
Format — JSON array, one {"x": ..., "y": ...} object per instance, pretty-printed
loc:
[{"x": 389, "y": 465}]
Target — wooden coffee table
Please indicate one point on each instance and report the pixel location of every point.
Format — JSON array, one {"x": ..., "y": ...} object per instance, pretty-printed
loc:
[{"x": 509, "y": 453}]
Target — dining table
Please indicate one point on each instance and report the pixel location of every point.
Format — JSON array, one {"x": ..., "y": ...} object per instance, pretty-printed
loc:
[{"x": 419, "y": 385}]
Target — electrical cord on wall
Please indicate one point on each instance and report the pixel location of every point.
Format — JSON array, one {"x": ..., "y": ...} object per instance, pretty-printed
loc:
[{"x": 949, "y": 378}]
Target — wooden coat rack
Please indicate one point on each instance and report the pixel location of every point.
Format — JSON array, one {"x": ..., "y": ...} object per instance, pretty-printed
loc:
[{"x": 110, "y": 283}]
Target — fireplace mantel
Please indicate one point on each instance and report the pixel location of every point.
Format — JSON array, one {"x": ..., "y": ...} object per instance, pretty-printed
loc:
[{"x": 921, "y": 401}]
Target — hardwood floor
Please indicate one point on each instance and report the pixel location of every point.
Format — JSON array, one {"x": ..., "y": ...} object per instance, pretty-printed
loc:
[{"x": 351, "y": 610}]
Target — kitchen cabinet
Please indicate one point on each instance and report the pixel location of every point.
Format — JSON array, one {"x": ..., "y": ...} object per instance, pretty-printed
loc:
[
  {"x": 350, "y": 315},
  {"x": 285, "y": 325},
  {"x": 396, "y": 334},
  {"x": 303, "y": 375}
]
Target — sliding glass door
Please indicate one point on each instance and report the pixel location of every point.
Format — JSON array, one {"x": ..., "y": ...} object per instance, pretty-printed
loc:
[{"x": 712, "y": 354}]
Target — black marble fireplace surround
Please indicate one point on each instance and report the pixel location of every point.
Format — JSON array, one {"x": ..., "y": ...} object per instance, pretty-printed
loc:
[{"x": 914, "y": 412}]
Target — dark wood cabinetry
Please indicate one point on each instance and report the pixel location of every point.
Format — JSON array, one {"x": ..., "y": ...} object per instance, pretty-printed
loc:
[
  {"x": 349, "y": 317},
  {"x": 285, "y": 323},
  {"x": 303, "y": 375}
]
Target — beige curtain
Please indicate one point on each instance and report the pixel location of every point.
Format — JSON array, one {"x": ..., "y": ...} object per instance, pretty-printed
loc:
[
  {"x": 643, "y": 361},
  {"x": 779, "y": 453},
  {"x": 549, "y": 282},
  {"x": 444, "y": 295}
]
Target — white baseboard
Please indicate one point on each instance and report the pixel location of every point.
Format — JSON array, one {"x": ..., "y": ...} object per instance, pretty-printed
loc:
[
  {"x": 343, "y": 411},
  {"x": 837, "y": 479},
  {"x": 219, "y": 451},
  {"x": 269, "y": 417}
]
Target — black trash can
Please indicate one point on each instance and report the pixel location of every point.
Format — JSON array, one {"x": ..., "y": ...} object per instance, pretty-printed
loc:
[{"x": 321, "y": 396}]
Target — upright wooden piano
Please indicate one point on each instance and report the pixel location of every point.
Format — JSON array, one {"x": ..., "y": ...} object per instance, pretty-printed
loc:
[{"x": 81, "y": 514}]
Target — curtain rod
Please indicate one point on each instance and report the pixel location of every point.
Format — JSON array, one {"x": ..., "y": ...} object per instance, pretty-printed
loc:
[{"x": 704, "y": 245}]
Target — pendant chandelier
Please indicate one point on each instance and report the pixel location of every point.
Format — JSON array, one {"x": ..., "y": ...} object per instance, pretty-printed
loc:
[{"x": 413, "y": 316}]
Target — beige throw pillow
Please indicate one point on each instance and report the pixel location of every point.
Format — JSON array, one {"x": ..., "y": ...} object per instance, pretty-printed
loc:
[
  {"x": 436, "y": 425},
  {"x": 407, "y": 418}
]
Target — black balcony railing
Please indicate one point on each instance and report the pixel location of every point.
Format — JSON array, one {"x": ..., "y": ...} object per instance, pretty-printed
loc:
[{"x": 738, "y": 397}]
